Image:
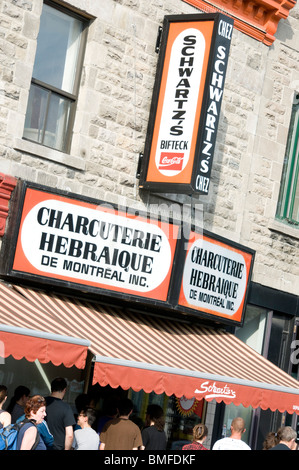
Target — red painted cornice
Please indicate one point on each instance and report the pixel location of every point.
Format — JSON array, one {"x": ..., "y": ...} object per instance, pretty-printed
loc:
[
  {"x": 7, "y": 185},
  {"x": 256, "y": 18}
]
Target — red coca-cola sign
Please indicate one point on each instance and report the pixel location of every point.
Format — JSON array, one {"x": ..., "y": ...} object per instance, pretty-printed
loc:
[{"x": 171, "y": 161}]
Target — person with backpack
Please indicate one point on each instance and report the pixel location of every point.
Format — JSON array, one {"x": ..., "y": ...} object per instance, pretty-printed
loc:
[
  {"x": 28, "y": 435},
  {"x": 5, "y": 418},
  {"x": 43, "y": 430}
]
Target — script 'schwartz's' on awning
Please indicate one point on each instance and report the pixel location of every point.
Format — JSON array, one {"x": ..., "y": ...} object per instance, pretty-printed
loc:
[{"x": 138, "y": 351}]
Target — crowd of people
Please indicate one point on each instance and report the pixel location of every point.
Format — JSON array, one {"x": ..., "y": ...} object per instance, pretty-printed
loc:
[{"x": 48, "y": 423}]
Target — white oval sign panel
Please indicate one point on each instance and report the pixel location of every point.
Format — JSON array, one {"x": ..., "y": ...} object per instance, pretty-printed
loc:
[
  {"x": 215, "y": 278},
  {"x": 93, "y": 246}
]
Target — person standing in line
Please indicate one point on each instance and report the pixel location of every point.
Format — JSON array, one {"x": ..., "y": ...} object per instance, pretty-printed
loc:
[
  {"x": 5, "y": 418},
  {"x": 86, "y": 438},
  {"x": 43, "y": 430},
  {"x": 234, "y": 442},
  {"x": 270, "y": 441},
  {"x": 153, "y": 435},
  {"x": 60, "y": 417},
  {"x": 28, "y": 436},
  {"x": 285, "y": 439},
  {"x": 200, "y": 432},
  {"x": 18, "y": 402},
  {"x": 109, "y": 412},
  {"x": 82, "y": 401},
  {"x": 121, "y": 433}
]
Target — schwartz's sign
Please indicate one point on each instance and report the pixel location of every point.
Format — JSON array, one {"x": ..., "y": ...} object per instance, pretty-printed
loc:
[
  {"x": 78, "y": 244},
  {"x": 186, "y": 103}
]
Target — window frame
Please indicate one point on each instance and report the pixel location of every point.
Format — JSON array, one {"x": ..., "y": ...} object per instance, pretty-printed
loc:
[
  {"x": 289, "y": 185},
  {"x": 72, "y": 97}
]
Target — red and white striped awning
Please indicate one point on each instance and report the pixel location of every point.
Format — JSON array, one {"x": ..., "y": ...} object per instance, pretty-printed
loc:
[
  {"x": 28, "y": 331},
  {"x": 138, "y": 351}
]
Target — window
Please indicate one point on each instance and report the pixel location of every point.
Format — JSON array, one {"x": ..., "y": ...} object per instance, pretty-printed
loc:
[
  {"x": 253, "y": 330},
  {"x": 288, "y": 203},
  {"x": 55, "y": 80}
]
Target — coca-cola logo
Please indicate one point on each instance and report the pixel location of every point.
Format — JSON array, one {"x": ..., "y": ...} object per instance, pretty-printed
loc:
[
  {"x": 171, "y": 161},
  {"x": 212, "y": 390}
]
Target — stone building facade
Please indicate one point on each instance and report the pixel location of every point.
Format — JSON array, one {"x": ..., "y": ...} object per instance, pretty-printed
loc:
[{"x": 111, "y": 120}]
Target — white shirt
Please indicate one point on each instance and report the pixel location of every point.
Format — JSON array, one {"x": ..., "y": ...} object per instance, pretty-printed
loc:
[
  {"x": 227, "y": 443},
  {"x": 86, "y": 439}
]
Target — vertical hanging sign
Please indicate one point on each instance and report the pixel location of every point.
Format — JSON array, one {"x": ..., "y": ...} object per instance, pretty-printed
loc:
[{"x": 186, "y": 103}]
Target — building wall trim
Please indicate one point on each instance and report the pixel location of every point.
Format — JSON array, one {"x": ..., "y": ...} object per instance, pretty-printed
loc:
[
  {"x": 273, "y": 299},
  {"x": 256, "y": 18},
  {"x": 7, "y": 185}
]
